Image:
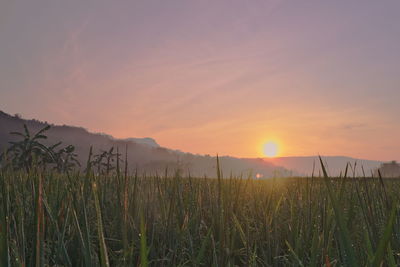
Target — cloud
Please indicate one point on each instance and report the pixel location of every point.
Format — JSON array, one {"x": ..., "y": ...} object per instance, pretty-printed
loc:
[{"x": 352, "y": 126}]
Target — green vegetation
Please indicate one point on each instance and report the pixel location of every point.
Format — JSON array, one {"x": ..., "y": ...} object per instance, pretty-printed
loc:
[
  {"x": 82, "y": 220},
  {"x": 105, "y": 216},
  {"x": 29, "y": 152}
]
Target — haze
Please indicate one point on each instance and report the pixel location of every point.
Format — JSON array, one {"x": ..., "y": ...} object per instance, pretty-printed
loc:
[{"x": 210, "y": 76}]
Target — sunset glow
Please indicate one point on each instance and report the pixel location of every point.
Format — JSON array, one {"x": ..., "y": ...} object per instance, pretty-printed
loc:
[{"x": 210, "y": 77}]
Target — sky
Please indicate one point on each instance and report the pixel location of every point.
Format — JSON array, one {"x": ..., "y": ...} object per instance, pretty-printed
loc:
[{"x": 211, "y": 76}]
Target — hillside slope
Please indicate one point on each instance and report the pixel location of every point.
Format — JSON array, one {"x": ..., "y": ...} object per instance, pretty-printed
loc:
[{"x": 143, "y": 153}]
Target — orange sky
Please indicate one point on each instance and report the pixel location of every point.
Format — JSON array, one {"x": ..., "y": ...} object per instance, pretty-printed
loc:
[{"x": 210, "y": 77}]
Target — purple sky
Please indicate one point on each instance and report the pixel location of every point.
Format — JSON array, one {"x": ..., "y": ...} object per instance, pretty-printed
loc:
[{"x": 211, "y": 76}]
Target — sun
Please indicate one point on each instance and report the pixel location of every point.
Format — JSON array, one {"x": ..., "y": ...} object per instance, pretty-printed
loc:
[{"x": 270, "y": 149}]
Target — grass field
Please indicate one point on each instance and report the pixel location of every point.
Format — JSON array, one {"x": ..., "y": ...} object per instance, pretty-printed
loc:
[{"x": 50, "y": 219}]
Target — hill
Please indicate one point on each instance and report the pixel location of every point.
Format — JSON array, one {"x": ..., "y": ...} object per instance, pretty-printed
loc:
[
  {"x": 143, "y": 153},
  {"x": 335, "y": 165}
]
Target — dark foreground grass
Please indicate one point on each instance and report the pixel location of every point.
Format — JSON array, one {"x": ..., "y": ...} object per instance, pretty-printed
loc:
[{"x": 49, "y": 219}]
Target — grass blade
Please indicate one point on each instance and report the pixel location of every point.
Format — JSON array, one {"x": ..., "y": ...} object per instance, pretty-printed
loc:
[
  {"x": 104, "y": 262},
  {"x": 385, "y": 240},
  {"x": 203, "y": 248},
  {"x": 4, "y": 247},
  {"x": 143, "y": 244},
  {"x": 343, "y": 231},
  {"x": 39, "y": 244}
]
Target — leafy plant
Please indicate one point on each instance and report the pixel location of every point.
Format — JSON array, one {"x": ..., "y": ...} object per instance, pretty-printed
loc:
[
  {"x": 105, "y": 161},
  {"x": 30, "y": 151},
  {"x": 66, "y": 159},
  {"x": 24, "y": 153}
]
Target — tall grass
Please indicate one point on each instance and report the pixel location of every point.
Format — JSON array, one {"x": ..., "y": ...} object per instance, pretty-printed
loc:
[{"x": 51, "y": 219}]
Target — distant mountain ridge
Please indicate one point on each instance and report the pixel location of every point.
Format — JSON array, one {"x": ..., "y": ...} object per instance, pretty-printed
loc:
[
  {"x": 145, "y": 141},
  {"x": 335, "y": 165},
  {"x": 148, "y": 156},
  {"x": 143, "y": 153}
]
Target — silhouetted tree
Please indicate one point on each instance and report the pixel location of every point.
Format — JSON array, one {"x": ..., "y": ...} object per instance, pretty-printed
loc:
[{"x": 29, "y": 150}]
